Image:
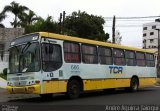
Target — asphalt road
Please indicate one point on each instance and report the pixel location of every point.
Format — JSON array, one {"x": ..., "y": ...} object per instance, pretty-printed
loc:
[{"x": 92, "y": 101}]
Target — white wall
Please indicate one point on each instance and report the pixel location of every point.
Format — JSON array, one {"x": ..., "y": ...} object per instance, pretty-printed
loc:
[
  {"x": 3, "y": 65},
  {"x": 4, "y": 62}
]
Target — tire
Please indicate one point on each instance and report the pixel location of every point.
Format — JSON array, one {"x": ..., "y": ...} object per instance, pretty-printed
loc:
[
  {"x": 46, "y": 96},
  {"x": 73, "y": 89},
  {"x": 134, "y": 84}
]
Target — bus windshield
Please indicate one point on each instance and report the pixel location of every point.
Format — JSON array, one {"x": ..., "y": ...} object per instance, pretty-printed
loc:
[{"x": 24, "y": 58}]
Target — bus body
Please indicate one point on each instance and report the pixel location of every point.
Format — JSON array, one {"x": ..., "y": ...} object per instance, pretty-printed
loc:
[{"x": 46, "y": 63}]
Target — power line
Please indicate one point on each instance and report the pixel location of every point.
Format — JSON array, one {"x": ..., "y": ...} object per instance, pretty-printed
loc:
[
  {"x": 130, "y": 20},
  {"x": 132, "y": 17},
  {"x": 124, "y": 25}
]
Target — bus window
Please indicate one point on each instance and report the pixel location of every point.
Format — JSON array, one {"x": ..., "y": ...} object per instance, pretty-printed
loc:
[
  {"x": 140, "y": 59},
  {"x": 51, "y": 57},
  {"x": 89, "y": 54},
  {"x": 105, "y": 55},
  {"x": 119, "y": 57},
  {"x": 72, "y": 52},
  {"x": 150, "y": 60},
  {"x": 130, "y": 58}
]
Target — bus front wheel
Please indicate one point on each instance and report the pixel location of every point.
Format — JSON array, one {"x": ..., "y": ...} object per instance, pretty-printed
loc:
[{"x": 73, "y": 89}]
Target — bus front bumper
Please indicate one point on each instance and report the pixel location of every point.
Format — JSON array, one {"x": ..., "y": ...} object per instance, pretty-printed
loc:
[{"x": 33, "y": 89}]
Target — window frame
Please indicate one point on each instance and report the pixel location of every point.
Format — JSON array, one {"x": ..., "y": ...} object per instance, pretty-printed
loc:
[
  {"x": 148, "y": 60},
  {"x": 130, "y": 58},
  {"x": 123, "y": 64},
  {"x": 79, "y": 54},
  {"x": 42, "y": 56},
  {"x": 154, "y": 26},
  {"x": 137, "y": 52},
  {"x": 105, "y": 56},
  {"x": 144, "y": 34},
  {"x": 84, "y": 54},
  {"x": 151, "y": 33},
  {"x": 144, "y": 28}
]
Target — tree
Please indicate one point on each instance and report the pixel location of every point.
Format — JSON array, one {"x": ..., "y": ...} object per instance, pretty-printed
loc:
[
  {"x": 84, "y": 25},
  {"x": 17, "y": 10},
  {"x": 28, "y": 19},
  {"x": 47, "y": 25},
  {"x": 2, "y": 17}
]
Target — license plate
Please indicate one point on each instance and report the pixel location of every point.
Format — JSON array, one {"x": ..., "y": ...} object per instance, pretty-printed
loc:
[{"x": 19, "y": 90}]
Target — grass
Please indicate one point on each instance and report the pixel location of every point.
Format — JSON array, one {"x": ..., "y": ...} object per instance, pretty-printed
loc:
[{"x": 3, "y": 76}]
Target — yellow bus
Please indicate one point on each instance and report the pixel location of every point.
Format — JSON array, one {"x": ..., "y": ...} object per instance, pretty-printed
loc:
[{"x": 47, "y": 63}]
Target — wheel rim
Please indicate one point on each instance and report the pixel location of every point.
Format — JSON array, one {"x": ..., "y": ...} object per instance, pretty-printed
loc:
[
  {"x": 74, "y": 90},
  {"x": 134, "y": 85}
]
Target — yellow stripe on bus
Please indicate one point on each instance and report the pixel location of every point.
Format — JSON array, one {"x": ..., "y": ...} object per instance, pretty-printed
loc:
[{"x": 61, "y": 86}]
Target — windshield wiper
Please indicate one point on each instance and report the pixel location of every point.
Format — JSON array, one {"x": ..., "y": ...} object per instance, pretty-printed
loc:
[
  {"x": 25, "y": 47},
  {"x": 22, "y": 52}
]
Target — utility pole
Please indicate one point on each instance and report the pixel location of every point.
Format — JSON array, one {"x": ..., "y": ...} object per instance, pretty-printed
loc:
[
  {"x": 158, "y": 57},
  {"x": 60, "y": 23},
  {"x": 113, "y": 29},
  {"x": 64, "y": 13}
]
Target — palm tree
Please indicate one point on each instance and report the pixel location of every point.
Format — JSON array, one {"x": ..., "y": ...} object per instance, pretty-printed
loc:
[
  {"x": 2, "y": 17},
  {"x": 16, "y": 9},
  {"x": 32, "y": 17},
  {"x": 28, "y": 19}
]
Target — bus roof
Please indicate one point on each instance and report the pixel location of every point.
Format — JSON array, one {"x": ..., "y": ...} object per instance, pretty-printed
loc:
[{"x": 87, "y": 41}]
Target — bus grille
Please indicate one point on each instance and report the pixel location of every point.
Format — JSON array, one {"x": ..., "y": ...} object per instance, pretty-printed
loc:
[{"x": 20, "y": 83}]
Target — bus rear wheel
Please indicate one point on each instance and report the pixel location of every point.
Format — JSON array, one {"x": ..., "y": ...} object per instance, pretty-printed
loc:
[
  {"x": 73, "y": 89},
  {"x": 134, "y": 84}
]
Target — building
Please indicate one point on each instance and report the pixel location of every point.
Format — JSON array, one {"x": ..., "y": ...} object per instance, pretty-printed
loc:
[
  {"x": 6, "y": 36},
  {"x": 150, "y": 35}
]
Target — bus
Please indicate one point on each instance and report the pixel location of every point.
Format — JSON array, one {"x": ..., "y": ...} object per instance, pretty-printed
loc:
[{"x": 46, "y": 63}]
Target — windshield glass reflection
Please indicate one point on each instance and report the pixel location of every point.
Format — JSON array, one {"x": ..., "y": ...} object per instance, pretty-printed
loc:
[{"x": 24, "y": 58}]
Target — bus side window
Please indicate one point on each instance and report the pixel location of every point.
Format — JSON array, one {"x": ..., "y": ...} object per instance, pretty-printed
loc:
[
  {"x": 89, "y": 54},
  {"x": 140, "y": 58},
  {"x": 51, "y": 57},
  {"x": 130, "y": 58},
  {"x": 105, "y": 55},
  {"x": 118, "y": 57},
  {"x": 72, "y": 52},
  {"x": 150, "y": 60}
]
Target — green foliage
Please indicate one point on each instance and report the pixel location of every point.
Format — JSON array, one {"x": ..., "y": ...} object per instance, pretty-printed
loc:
[
  {"x": 5, "y": 71},
  {"x": 2, "y": 17},
  {"x": 17, "y": 10},
  {"x": 84, "y": 25},
  {"x": 80, "y": 24},
  {"x": 3, "y": 76},
  {"x": 42, "y": 25},
  {"x": 28, "y": 18}
]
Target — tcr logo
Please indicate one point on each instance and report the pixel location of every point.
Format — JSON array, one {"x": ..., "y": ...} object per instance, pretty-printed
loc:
[{"x": 116, "y": 69}]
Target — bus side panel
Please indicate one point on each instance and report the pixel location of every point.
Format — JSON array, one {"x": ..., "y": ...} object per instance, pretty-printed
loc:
[
  {"x": 54, "y": 86},
  {"x": 105, "y": 83},
  {"x": 145, "y": 82}
]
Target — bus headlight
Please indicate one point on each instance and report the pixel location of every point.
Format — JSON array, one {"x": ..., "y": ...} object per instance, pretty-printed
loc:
[{"x": 31, "y": 89}]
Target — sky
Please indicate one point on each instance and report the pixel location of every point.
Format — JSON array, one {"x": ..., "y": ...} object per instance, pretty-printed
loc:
[{"x": 131, "y": 36}]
